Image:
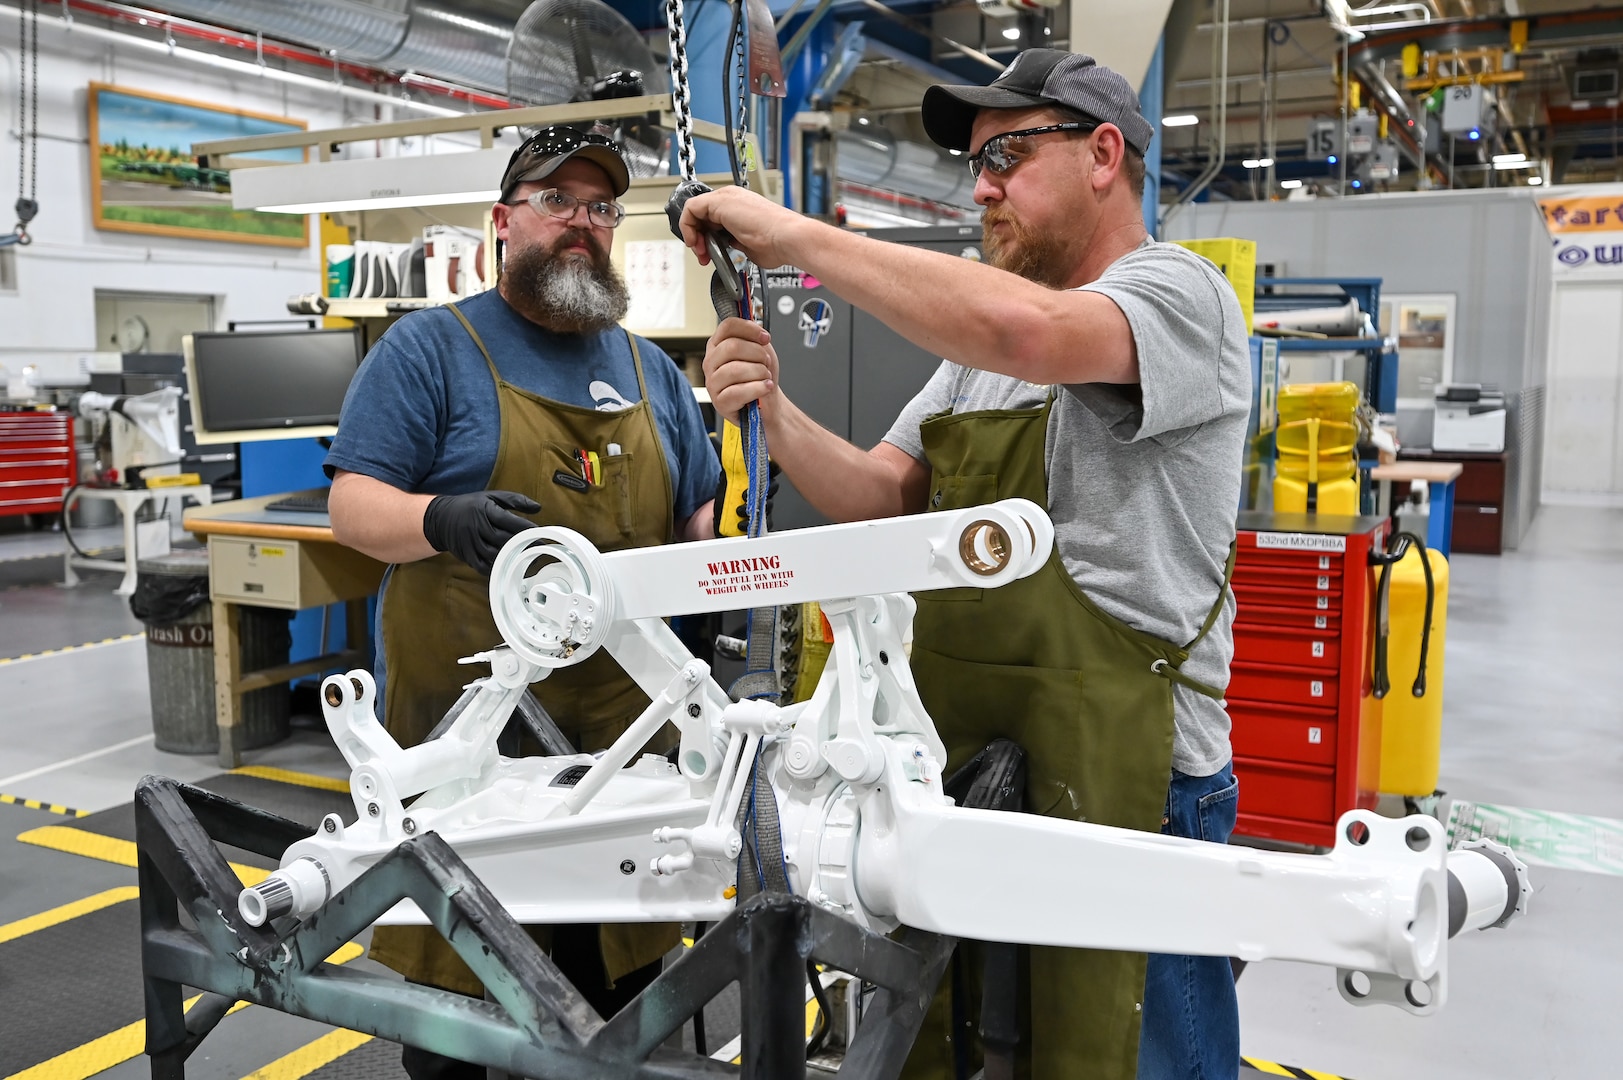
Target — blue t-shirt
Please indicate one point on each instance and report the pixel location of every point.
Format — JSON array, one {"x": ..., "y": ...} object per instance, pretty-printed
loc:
[{"x": 421, "y": 413}]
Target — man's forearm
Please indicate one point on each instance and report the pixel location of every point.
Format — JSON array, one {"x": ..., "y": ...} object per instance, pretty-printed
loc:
[
  {"x": 840, "y": 480},
  {"x": 378, "y": 519}
]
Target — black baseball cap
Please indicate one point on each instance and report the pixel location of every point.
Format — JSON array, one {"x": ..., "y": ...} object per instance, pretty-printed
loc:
[
  {"x": 1039, "y": 77},
  {"x": 541, "y": 154}
]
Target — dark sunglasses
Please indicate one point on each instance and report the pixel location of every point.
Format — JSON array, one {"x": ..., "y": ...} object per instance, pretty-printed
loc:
[{"x": 1003, "y": 152}]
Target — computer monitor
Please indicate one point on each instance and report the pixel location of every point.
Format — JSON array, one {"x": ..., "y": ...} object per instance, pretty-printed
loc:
[{"x": 277, "y": 384}]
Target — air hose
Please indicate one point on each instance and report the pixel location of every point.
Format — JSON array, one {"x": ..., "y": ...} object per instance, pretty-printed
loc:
[{"x": 1396, "y": 549}]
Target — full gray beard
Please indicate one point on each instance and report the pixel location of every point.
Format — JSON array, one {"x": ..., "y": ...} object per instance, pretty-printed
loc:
[{"x": 565, "y": 293}]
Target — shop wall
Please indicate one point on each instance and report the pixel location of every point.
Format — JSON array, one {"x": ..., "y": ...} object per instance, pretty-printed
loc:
[
  {"x": 49, "y": 317},
  {"x": 1489, "y": 248}
]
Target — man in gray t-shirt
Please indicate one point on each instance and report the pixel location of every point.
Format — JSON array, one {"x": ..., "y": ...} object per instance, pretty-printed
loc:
[
  {"x": 1105, "y": 376},
  {"x": 1143, "y": 480}
]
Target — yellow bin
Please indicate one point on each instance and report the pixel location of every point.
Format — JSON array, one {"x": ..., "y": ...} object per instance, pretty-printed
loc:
[
  {"x": 1317, "y": 448},
  {"x": 1412, "y": 727}
]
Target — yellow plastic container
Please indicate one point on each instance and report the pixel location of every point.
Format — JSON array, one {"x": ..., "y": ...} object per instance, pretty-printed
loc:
[
  {"x": 1328, "y": 401},
  {"x": 1412, "y": 727},
  {"x": 1317, "y": 449},
  {"x": 1237, "y": 259}
]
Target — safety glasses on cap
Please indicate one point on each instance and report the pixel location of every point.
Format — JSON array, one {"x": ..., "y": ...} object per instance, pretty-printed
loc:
[
  {"x": 1003, "y": 152},
  {"x": 560, "y": 204},
  {"x": 538, "y": 155}
]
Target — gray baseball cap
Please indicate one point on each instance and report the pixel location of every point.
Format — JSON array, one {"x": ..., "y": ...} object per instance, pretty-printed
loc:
[
  {"x": 542, "y": 153},
  {"x": 1039, "y": 77}
]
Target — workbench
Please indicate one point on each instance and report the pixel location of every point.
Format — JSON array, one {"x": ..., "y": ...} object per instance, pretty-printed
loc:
[
  {"x": 1439, "y": 476},
  {"x": 276, "y": 559}
]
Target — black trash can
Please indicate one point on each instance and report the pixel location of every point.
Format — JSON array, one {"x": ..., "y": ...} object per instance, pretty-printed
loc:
[{"x": 172, "y": 600}]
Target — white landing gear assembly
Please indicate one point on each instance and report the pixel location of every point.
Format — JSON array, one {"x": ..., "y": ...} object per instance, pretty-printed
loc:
[{"x": 451, "y": 833}]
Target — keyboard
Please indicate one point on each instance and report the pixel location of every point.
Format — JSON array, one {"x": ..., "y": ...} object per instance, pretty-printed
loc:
[{"x": 301, "y": 504}]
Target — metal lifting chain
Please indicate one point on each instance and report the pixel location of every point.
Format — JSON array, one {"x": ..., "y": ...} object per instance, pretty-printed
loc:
[
  {"x": 679, "y": 87},
  {"x": 741, "y": 173},
  {"x": 27, "y": 126}
]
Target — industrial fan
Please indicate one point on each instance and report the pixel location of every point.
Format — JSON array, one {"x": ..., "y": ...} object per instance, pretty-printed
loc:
[{"x": 584, "y": 50}]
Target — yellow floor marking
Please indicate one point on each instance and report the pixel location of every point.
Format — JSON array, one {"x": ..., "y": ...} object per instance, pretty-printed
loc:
[
  {"x": 35, "y": 804},
  {"x": 307, "y": 1059},
  {"x": 288, "y": 776},
  {"x": 69, "y": 648},
  {"x": 117, "y": 1047},
  {"x": 13, "y": 930},
  {"x": 1267, "y": 1066},
  {"x": 811, "y": 1026},
  {"x": 1316, "y": 1075},
  {"x": 109, "y": 849}
]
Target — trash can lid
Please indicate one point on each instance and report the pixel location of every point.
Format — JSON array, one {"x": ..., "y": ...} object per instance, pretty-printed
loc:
[{"x": 186, "y": 562}]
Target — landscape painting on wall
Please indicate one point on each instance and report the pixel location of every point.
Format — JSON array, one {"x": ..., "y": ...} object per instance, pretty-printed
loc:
[{"x": 145, "y": 178}]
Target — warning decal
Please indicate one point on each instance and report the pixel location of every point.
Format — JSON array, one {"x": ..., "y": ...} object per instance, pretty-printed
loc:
[{"x": 729, "y": 577}]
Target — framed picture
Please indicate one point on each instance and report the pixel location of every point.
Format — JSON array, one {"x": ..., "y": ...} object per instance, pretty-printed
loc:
[
  {"x": 1424, "y": 327},
  {"x": 145, "y": 178}
]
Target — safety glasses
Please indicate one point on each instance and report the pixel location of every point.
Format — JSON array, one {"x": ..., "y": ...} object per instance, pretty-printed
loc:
[
  {"x": 560, "y": 204},
  {"x": 1003, "y": 152}
]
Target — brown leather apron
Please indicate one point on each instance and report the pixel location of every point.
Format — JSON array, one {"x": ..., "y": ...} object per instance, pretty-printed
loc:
[{"x": 437, "y": 610}]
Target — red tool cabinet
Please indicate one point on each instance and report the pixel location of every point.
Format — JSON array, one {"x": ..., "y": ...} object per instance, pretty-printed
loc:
[
  {"x": 1307, "y": 732},
  {"x": 37, "y": 462}
]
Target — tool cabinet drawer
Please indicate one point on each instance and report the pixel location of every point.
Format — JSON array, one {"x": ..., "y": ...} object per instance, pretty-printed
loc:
[
  {"x": 1278, "y": 734},
  {"x": 1275, "y": 789},
  {"x": 1278, "y": 577},
  {"x": 260, "y": 572},
  {"x": 1302, "y": 599},
  {"x": 1287, "y": 645},
  {"x": 1279, "y": 685},
  {"x": 1327, "y": 622},
  {"x": 1289, "y": 560}
]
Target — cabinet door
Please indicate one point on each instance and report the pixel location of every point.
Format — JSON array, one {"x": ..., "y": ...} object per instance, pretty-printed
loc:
[
  {"x": 1478, "y": 529},
  {"x": 1483, "y": 481}
]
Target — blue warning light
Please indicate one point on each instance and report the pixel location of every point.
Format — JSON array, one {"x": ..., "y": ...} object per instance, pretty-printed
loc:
[
  {"x": 1475, "y": 135},
  {"x": 1332, "y": 159},
  {"x": 1358, "y": 183}
]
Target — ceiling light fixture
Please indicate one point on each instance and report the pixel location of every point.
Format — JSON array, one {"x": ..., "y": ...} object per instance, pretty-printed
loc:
[
  {"x": 370, "y": 183},
  {"x": 1534, "y": 181},
  {"x": 1506, "y": 158},
  {"x": 1012, "y": 34},
  {"x": 1522, "y": 164},
  {"x": 1258, "y": 163},
  {"x": 1180, "y": 120},
  {"x": 1290, "y": 185}
]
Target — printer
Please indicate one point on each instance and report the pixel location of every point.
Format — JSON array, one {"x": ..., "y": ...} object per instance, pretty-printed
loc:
[{"x": 1469, "y": 417}]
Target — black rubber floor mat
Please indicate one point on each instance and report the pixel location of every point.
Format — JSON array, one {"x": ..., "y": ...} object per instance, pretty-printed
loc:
[
  {"x": 67, "y": 984},
  {"x": 375, "y": 1059},
  {"x": 306, "y": 805}
]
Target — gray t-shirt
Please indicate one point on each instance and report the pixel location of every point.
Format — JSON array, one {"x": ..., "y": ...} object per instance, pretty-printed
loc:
[{"x": 1144, "y": 481}]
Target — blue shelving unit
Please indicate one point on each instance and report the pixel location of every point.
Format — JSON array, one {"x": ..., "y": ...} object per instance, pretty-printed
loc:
[{"x": 1381, "y": 363}]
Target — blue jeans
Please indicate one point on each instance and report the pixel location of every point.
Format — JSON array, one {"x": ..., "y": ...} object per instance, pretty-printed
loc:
[{"x": 1191, "y": 1025}]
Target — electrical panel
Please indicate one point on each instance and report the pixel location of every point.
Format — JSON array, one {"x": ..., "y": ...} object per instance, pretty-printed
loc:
[{"x": 1468, "y": 111}]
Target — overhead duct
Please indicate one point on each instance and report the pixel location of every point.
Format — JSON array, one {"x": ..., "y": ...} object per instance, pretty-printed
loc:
[
  {"x": 878, "y": 159},
  {"x": 429, "y": 39}
]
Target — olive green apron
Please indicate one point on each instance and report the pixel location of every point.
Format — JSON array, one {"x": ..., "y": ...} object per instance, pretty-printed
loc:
[
  {"x": 1088, "y": 698},
  {"x": 438, "y": 610}
]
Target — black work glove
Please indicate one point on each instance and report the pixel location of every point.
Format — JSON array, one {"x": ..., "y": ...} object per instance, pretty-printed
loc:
[
  {"x": 474, "y": 527},
  {"x": 772, "y": 471}
]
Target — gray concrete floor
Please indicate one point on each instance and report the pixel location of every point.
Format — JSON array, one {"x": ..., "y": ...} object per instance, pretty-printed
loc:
[{"x": 1533, "y": 717}]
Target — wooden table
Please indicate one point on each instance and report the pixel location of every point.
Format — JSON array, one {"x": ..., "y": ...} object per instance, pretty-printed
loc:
[
  {"x": 276, "y": 559},
  {"x": 1439, "y": 477}
]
